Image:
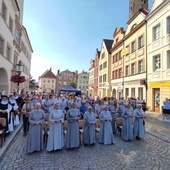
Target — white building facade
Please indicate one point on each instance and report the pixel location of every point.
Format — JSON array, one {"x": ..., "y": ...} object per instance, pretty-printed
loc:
[{"x": 15, "y": 45}]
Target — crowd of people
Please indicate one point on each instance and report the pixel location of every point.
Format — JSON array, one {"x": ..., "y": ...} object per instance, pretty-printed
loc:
[{"x": 71, "y": 108}]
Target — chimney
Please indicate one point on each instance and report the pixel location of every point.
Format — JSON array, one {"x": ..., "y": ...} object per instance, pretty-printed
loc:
[
  {"x": 58, "y": 71},
  {"x": 50, "y": 69}
]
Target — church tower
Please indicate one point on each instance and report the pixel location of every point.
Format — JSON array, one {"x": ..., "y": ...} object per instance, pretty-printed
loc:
[{"x": 135, "y": 5}]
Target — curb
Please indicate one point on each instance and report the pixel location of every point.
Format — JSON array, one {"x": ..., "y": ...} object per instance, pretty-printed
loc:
[
  {"x": 9, "y": 140},
  {"x": 165, "y": 139}
]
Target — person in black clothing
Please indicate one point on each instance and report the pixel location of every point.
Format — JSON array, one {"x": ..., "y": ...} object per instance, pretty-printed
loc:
[
  {"x": 20, "y": 102},
  {"x": 26, "y": 110},
  {"x": 66, "y": 109},
  {"x": 144, "y": 106},
  {"x": 5, "y": 109}
]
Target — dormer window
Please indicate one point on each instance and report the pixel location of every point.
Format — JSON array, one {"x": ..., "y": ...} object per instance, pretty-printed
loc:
[{"x": 133, "y": 27}]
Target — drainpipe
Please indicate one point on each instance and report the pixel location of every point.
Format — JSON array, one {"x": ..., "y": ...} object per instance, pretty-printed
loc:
[{"x": 146, "y": 83}]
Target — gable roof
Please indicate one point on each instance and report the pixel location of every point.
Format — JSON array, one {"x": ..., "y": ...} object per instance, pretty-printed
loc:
[
  {"x": 108, "y": 44},
  {"x": 48, "y": 74}
]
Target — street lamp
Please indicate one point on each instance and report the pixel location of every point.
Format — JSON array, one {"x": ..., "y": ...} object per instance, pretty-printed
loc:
[{"x": 19, "y": 70}]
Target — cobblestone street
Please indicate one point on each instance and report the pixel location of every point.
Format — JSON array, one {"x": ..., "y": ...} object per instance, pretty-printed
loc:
[{"x": 148, "y": 154}]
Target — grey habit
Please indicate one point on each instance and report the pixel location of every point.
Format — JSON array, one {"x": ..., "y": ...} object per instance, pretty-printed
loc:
[
  {"x": 72, "y": 137},
  {"x": 89, "y": 128},
  {"x": 127, "y": 130},
  {"x": 35, "y": 136},
  {"x": 56, "y": 135},
  {"x": 139, "y": 128},
  {"x": 106, "y": 132}
]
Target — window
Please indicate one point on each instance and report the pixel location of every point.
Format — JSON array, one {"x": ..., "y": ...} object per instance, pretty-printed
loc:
[
  {"x": 157, "y": 62},
  {"x": 133, "y": 46},
  {"x": 117, "y": 56},
  {"x": 52, "y": 81},
  {"x": 15, "y": 59},
  {"x": 48, "y": 81},
  {"x": 127, "y": 47},
  {"x": 133, "y": 68},
  {"x": 140, "y": 66},
  {"x": 43, "y": 86},
  {"x": 113, "y": 75},
  {"x": 127, "y": 70},
  {"x": 105, "y": 64},
  {"x": 44, "y": 81},
  {"x": 156, "y": 32},
  {"x": 114, "y": 58},
  {"x": 4, "y": 11},
  {"x": 168, "y": 59},
  {"x": 8, "y": 53},
  {"x": 132, "y": 92},
  {"x": 101, "y": 67},
  {"x": 100, "y": 79},
  {"x": 103, "y": 55},
  {"x": 140, "y": 93},
  {"x": 120, "y": 55},
  {"x": 117, "y": 40},
  {"x": 17, "y": 36},
  {"x": 104, "y": 78},
  {"x": 11, "y": 24},
  {"x": 168, "y": 25},
  {"x": 120, "y": 73},
  {"x": 140, "y": 42},
  {"x": 117, "y": 73},
  {"x": 1, "y": 46},
  {"x": 133, "y": 27}
]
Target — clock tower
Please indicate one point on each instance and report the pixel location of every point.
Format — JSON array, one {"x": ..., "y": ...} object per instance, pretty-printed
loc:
[{"x": 135, "y": 5}]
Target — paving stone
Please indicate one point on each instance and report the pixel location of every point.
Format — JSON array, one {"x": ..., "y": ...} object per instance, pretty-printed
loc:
[{"x": 153, "y": 152}]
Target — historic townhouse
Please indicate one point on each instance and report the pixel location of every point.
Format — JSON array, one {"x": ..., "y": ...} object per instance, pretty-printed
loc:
[
  {"x": 134, "y": 57},
  {"x": 65, "y": 77},
  {"x": 15, "y": 45},
  {"x": 96, "y": 72},
  {"x": 83, "y": 82},
  {"x": 158, "y": 54},
  {"x": 47, "y": 82},
  {"x": 91, "y": 77},
  {"x": 117, "y": 63},
  {"x": 104, "y": 89}
]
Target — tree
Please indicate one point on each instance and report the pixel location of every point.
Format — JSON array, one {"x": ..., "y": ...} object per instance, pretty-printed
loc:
[
  {"x": 73, "y": 84},
  {"x": 32, "y": 83}
]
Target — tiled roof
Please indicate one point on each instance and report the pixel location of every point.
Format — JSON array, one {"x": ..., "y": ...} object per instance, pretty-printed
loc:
[
  {"x": 108, "y": 44},
  {"x": 48, "y": 74}
]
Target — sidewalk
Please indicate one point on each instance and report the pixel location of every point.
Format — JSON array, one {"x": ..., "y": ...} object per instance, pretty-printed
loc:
[
  {"x": 156, "y": 126},
  {"x": 9, "y": 139}
]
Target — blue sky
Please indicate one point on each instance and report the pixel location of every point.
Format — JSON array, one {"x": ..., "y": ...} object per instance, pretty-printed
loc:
[{"x": 64, "y": 34}]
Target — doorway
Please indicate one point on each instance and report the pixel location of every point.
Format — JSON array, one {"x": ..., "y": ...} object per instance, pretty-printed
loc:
[
  {"x": 156, "y": 100},
  {"x": 4, "y": 81}
]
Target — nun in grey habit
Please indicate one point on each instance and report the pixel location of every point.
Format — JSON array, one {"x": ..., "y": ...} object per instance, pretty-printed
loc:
[
  {"x": 138, "y": 127},
  {"x": 127, "y": 130},
  {"x": 73, "y": 136},
  {"x": 35, "y": 136},
  {"x": 56, "y": 135},
  {"x": 89, "y": 127},
  {"x": 106, "y": 132}
]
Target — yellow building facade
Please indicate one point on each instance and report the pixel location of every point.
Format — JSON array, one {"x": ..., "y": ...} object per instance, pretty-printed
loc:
[
  {"x": 158, "y": 54},
  {"x": 117, "y": 63},
  {"x": 104, "y": 86},
  {"x": 134, "y": 57}
]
